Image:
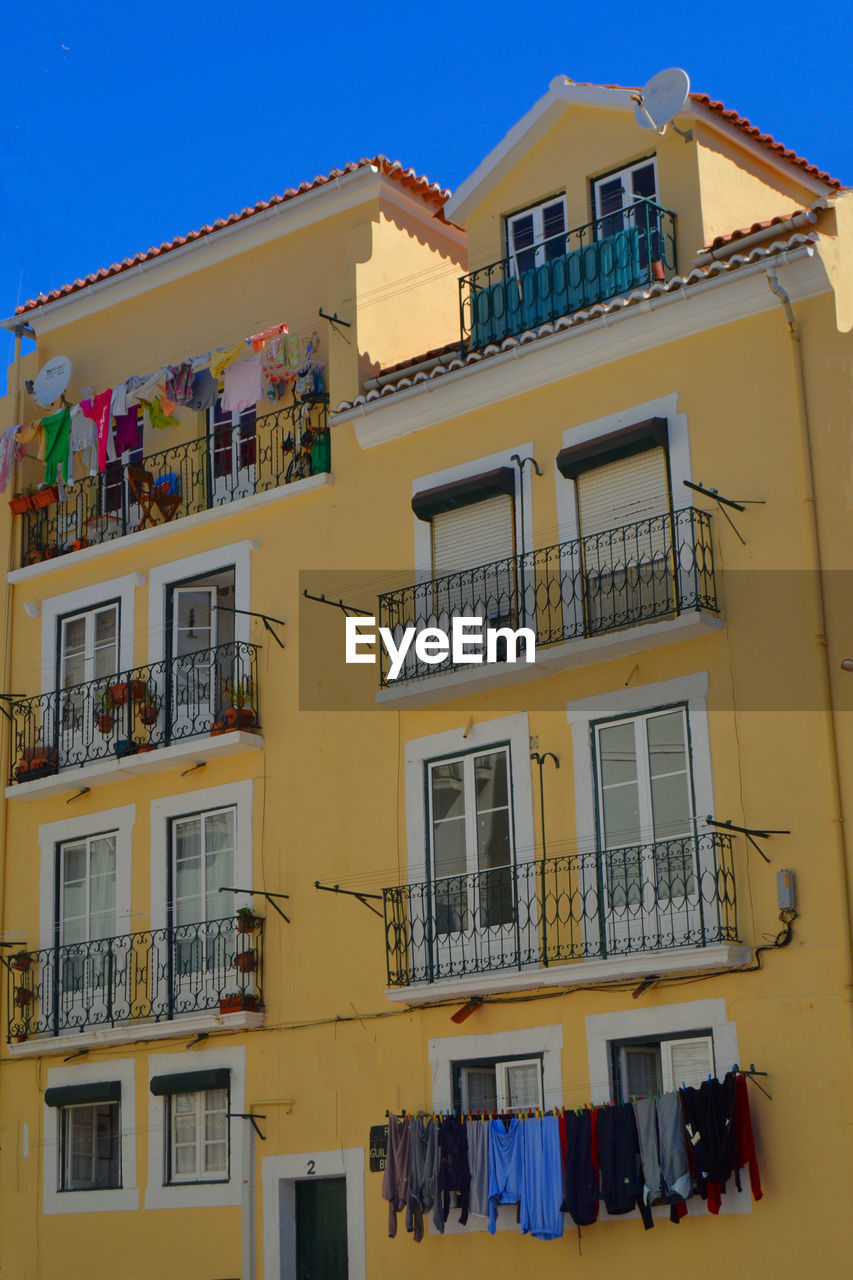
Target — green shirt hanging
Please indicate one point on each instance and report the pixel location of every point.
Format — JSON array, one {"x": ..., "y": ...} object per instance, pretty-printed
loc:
[{"x": 57, "y": 442}]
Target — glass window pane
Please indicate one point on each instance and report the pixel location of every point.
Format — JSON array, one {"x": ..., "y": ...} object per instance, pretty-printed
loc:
[
  {"x": 617, "y": 753},
  {"x": 183, "y": 1102},
  {"x": 479, "y": 1088},
  {"x": 448, "y": 798},
  {"x": 643, "y": 182},
  {"x": 640, "y": 1070},
  {"x": 449, "y": 852},
  {"x": 490, "y": 780},
  {"x": 671, "y": 806},
  {"x": 73, "y": 862},
  {"x": 522, "y": 231},
  {"x": 667, "y": 748},
  {"x": 493, "y": 842},
  {"x": 217, "y": 1099},
  {"x": 185, "y": 1127},
  {"x": 219, "y": 831},
  {"x": 104, "y": 856},
  {"x": 216, "y": 1158},
  {"x": 523, "y": 1084},
  {"x": 185, "y": 1160},
  {"x": 106, "y": 625}
]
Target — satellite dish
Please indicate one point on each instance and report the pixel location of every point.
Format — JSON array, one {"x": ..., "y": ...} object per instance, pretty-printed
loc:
[
  {"x": 661, "y": 99},
  {"x": 52, "y": 381}
]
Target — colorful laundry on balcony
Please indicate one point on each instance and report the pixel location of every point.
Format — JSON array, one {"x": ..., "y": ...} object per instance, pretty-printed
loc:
[
  {"x": 98, "y": 409},
  {"x": 57, "y": 437},
  {"x": 243, "y": 385}
]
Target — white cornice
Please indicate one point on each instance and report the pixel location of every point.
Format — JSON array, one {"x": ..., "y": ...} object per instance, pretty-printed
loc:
[
  {"x": 334, "y": 197},
  {"x": 617, "y": 335}
]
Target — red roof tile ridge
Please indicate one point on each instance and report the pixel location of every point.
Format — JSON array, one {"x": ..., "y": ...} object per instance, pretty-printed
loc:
[
  {"x": 765, "y": 139},
  {"x": 430, "y": 192}
]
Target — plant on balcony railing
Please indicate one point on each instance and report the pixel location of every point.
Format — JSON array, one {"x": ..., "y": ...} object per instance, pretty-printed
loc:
[
  {"x": 642, "y": 898},
  {"x": 642, "y": 572},
  {"x": 604, "y": 258},
  {"x": 154, "y": 975},
  {"x": 229, "y": 464},
  {"x": 133, "y": 711}
]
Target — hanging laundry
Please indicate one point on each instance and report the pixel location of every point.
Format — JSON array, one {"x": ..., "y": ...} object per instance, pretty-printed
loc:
[
  {"x": 98, "y": 409},
  {"x": 84, "y": 439},
  {"x": 541, "y": 1179},
  {"x": 122, "y": 393},
  {"x": 453, "y": 1171},
  {"x": 477, "y": 1133},
  {"x": 423, "y": 1172},
  {"x": 243, "y": 385},
  {"x": 158, "y": 416},
  {"x": 506, "y": 1166},
  {"x": 744, "y": 1141},
  {"x": 179, "y": 381},
  {"x": 220, "y": 360},
  {"x": 57, "y": 435},
  {"x": 395, "y": 1180},
  {"x": 293, "y": 351},
  {"x": 258, "y": 339},
  {"x": 619, "y": 1166},
  {"x": 154, "y": 388},
  {"x": 11, "y": 451},
  {"x": 126, "y": 430},
  {"x": 204, "y": 391},
  {"x": 309, "y": 378},
  {"x": 274, "y": 369},
  {"x": 709, "y": 1119},
  {"x": 674, "y": 1163},
  {"x": 200, "y": 361},
  {"x": 580, "y": 1173}
]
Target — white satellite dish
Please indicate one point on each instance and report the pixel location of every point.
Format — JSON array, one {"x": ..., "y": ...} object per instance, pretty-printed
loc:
[
  {"x": 52, "y": 381},
  {"x": 661, "y": 99}
]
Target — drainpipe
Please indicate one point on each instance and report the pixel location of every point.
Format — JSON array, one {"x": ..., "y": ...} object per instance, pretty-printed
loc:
[{"x": 817, "y": 558}]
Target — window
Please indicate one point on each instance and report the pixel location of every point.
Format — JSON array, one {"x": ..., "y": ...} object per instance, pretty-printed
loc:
[
  {"x": 645, "y": 793},
  {"x": 536, "y": 235},
  {"x": 88, "y": 645},
  {"x": 232, "y": 448},
  {"x": 616, "y": 192},
  {"x": 202, "y": 860},
  {"x": 204, "y": 658},
  {"x": 644, "y": 1067},
  {"x": 470, "y": 816},
  {"x": 86, "y": 915},
  {"x": 511, "y": 1084},
  {"x": 198, "y": 1136},
  {"x": 89, "y": 1147},
  {"x": 113, "y": 479}
]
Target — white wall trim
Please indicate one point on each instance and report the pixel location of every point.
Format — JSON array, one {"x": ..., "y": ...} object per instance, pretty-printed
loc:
[
  {"x": 163, "y": 576},
  {"x": 124, "y": 1198},
  {"x": 692, "y": 689},
  {"x": 513, "y": 729},
  {"x": 461, "y": 471},
  {"x": 56, "y": 607},
  {"x": 159, "y": 1195},
  {"x": 50, "y": 834},
  {"x": 279, "y": 1174},
  {"x": 664, "y": 1020},
  {"x": 678, "y": 450},
  {"x": 239, "y": 794}
]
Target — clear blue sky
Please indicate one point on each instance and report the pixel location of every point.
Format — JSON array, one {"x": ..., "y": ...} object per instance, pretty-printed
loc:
[{"x": 127, "y": 125}]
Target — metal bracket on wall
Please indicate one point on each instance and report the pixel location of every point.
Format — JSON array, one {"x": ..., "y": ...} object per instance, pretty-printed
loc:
[
  {"x": 753, "y": 834},
  {"x": 253, "y": 1120},
  {"x": 261, "y": 893},
  {"x": 352, "y": 893},
  {"x": 347, "y": 609},
  {"x": 9, "y": 697},
  {"x": 739, "y": 504},
  {"x": 265, "y": 618}
]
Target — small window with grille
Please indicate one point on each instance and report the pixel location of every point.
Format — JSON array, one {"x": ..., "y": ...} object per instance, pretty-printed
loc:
[{"x": 498, "y": 1084}]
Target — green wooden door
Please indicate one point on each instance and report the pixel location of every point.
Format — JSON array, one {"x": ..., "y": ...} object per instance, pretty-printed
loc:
[{"x": 321, "y": 1229}]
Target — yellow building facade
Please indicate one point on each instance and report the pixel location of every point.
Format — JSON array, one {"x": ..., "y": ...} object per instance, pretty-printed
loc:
[{"x": 255, "y": 899}]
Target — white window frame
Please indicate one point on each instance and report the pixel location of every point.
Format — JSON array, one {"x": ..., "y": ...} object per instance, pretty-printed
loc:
[
  {"x": 60, "y": 850},
  {"x": 51, "y": 835},
  {"x": 66, "y": 1144},
  {"x": 89, "y": 646},
  {"x": 200, "y": 1111},
  {"x": 82, "y": 601},
  {"x": 213, "y": 1193},
  {"x": 664, "y": 1046},
  {"x": 501, "y": 1068},
  {"x": 623, "y": 173},
  {"x": 123, "y": 1198},
  {"x": 200, "y": 815},
  {"x": 175, "y": 572},
  {"x": 469, "y": 799},
  {"x": 537, "y": 211},
  {"x": 240, "y": 795},
  {"x": 640, "y": 721}
]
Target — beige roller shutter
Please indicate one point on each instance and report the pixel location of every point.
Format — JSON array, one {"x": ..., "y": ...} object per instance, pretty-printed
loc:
[
  {"x": 473, "y": 535},
  {"x": 623, "y": 492}
]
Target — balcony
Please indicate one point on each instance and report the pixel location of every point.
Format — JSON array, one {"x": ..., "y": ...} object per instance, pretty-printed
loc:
[
  {"x": 672, "y": 895},
  {"x": 605, "y": 258},
  {"x": 650, "y": 571},
  {"x": 211, "y": 471},
  {"x": 155, "y": 976},
  {"x": 210, "y": 692}
]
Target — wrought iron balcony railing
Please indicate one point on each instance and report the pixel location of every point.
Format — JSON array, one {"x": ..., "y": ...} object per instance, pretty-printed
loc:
[
  {"x": 231, "y": 463},
  {"x": 653, "y": 569},
  {"x": 155, "y": 975},
  {"x": 209, "y": 691},
  {"x": 604, "y": 258},
  {"x": 642, "y": 898}
]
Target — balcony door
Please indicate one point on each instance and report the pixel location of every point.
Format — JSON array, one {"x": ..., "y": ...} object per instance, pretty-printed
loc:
[
  {"x": 201, "y": 929},
  {"x": 626, "y": 541},
  {"x": 201, "y": 652},
  {"x": 649, "y": 879},
  {"x": 474, "y": 567},
  {"x": 87, "y": 657},
  {"x": 232, "y": 443},
  {"x": 474, "y": 914},
  {"x": 617, "y": 212},
  {"x": 89, "y": 964}
]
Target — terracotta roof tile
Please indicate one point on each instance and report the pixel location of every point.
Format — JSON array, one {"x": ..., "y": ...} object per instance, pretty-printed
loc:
[
  {"x": 765, "y": 139},
  {"x": 430, "y": 192}
]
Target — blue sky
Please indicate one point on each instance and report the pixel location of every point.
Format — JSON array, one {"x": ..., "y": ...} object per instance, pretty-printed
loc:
[{"x": 127, "y": 125}]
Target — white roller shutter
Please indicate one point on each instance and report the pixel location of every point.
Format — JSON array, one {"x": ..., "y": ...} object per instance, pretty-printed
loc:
[
  {"x": 473, "y": 535},
  {"x": 623, "y": 492}
]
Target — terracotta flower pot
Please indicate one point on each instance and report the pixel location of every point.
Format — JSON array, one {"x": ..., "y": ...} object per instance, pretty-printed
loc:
[
  {"x": 20, "y": 503},
  {"x": 23, "y": 997},
  {"x": 148, "y": 714},
  {"x": 105, "y": 723},
  {"x": 21, "y": 962},
  {"x": 239, "y": 717},
  {"x": 45, "y": 497},
  {"x": 246, "y": 923},
  {"x": 244, "y": 962},
  {"x": 238, "y": 1003}
]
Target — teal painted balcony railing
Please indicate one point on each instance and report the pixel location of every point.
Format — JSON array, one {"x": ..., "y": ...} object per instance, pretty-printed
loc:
[{"x": 604, "y": 258}]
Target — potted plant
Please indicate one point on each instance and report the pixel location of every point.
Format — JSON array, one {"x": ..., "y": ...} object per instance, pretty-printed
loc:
[
  {"x": 149, "y": 707},
  {"x": 125, "y": 747},
  {"x": 127, "y": 690},
  {"x": 106, "y": 719},
  {"x": 239, "y": 693},
  {"x": 237, "y": 1001},
  {"x": 45, "y": 496},
  {"x": 23, "y": 997},
  {"x": 244, "y": 962},
  {"x": 247, "y": 921},
  {"x": 20, "y": 961},
  {"x": 23, "y": 501}
]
